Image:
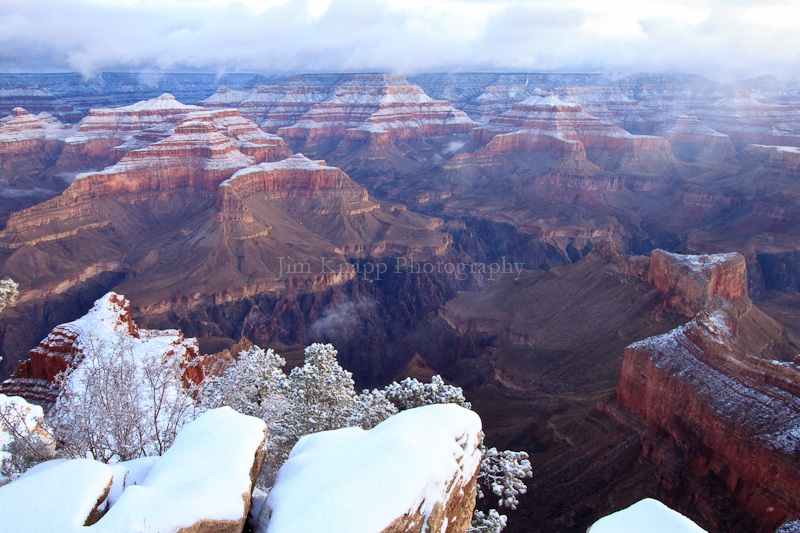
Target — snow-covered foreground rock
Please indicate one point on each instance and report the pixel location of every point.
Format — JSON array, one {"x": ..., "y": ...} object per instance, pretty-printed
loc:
[
  {"x": 202, "y": 484},
  {"x": 647, "y": 515},
  {"x": 416, "y": 471}
]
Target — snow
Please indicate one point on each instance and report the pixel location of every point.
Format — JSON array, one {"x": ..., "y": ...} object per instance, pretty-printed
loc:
[
  {"x": 56, "y": 497},
  {"x": 24, "y": 416},
  {"x": 646, "y": 515},
  {"x": 351, "y": 480},
  {"x": 295, "y": 162},
  {"x": 129, "y": 473},
  {"x": 203, "y": 476},
  {"x": 162, "y": 103}
]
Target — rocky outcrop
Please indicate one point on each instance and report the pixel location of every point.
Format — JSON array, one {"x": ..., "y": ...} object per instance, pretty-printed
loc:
[
  {"x": 60, "y": 495},
  {"x": 65, "y": 348},
  {"x": 719, "y": 397},
  {"x": 690, "y": 282},
  {"x": 23, "y": 134},
  {"x": 550, "y": 122},
  {"x": 779, "y": 157},
  {"x": 105, "y": 129},
  {"x": 691, "y": 140},
  {"x": 644, "y": 515},
  {"x": 202, "y": 484},
  {"x": 415, "y": 472},
  {"x": 29, "y": 146},
  {"x": 296, "y": 176}
]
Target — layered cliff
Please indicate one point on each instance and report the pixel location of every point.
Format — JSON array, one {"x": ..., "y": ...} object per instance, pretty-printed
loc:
[
  {"x": 719, "y": 397},
  {"x": 751, "y": 118},
  {"x": 107, "y": 326},
  {"x": 104, "y": 129},
  {"x": 551, "y": 122}
]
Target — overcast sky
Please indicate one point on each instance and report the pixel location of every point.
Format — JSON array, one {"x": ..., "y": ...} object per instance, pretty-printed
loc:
[{"x": 722, "y": 39}]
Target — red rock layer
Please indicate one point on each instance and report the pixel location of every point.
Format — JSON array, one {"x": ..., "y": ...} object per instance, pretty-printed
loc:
[
  {"x": 720, "y": 412},
  {"x": 63, "y": 348},
  {"x": 691, "y": 140},
  {"x": 551, "y": 123},
  {"x": 294, "y": 177},
  {"x": 104, "y": 129},
  {"x": 690, "y": 282}
]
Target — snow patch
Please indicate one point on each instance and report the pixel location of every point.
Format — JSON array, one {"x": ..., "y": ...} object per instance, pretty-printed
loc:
[{"x": 647, "y": 515}]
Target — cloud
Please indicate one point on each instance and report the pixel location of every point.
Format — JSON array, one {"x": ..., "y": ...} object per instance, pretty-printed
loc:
[{"x": 713, "y": 37}]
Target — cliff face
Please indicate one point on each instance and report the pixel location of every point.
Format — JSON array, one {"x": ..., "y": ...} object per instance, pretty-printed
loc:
[
  {"x": 720, "y": 396},
  {"x": 550, "y": 120},
  {"x": 65, "y": 347},
  {"x": 691, "y": 140},
  {"x": 690, "y": 282},
  {"x": 105, "y": 129}
]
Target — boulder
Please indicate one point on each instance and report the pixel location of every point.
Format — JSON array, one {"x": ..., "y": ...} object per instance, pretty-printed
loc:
[{"x": 414, "y": 472}]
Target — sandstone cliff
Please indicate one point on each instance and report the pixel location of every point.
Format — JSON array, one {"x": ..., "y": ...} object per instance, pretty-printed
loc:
[
  {"x": 66, "y": 345},
  {"x": 720, "y": 396}
]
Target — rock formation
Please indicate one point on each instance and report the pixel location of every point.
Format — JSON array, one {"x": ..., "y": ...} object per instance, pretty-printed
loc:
[
  {"x": 104, "y": 129},
  {"x": 691, "y": 140},
  {"x": 551, "y": 123},
  {"x": 719, "y": 397},
  {"x": 201, "y": 484},
  {"x": 414, "y": 472},
  {"x": 24, "y": 135},
  {"x": 690, "y": 282},
  {"x": 751, "y": 118},
  {"x": 66, "y": 345}
]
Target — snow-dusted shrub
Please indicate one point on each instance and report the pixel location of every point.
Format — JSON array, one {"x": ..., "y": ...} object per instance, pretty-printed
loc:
[
  {"x": 252, "y": 385},
  {"x": 411, "y": 393},
  {"x": 502, "y": 473},
  {"x": 9, "y": 290},
  {"x": 491, "y": 522},
  {"x": 25, "y": 438},
  {"x": 122, "y": 402}
]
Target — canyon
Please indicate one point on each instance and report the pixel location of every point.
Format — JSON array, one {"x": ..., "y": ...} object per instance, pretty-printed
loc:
[{"x": 654, "y": 219}]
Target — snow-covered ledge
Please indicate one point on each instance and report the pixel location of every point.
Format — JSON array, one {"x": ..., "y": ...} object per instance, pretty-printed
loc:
[{"x": 416, "y": 471}]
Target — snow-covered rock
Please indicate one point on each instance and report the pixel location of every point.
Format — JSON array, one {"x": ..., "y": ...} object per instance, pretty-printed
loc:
[
  {"x": 59, "y": 496},
  {"x": 647, "y": 515},
  {"x": 203, "y": 483},
  {"x": 416, "y": 471}
]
